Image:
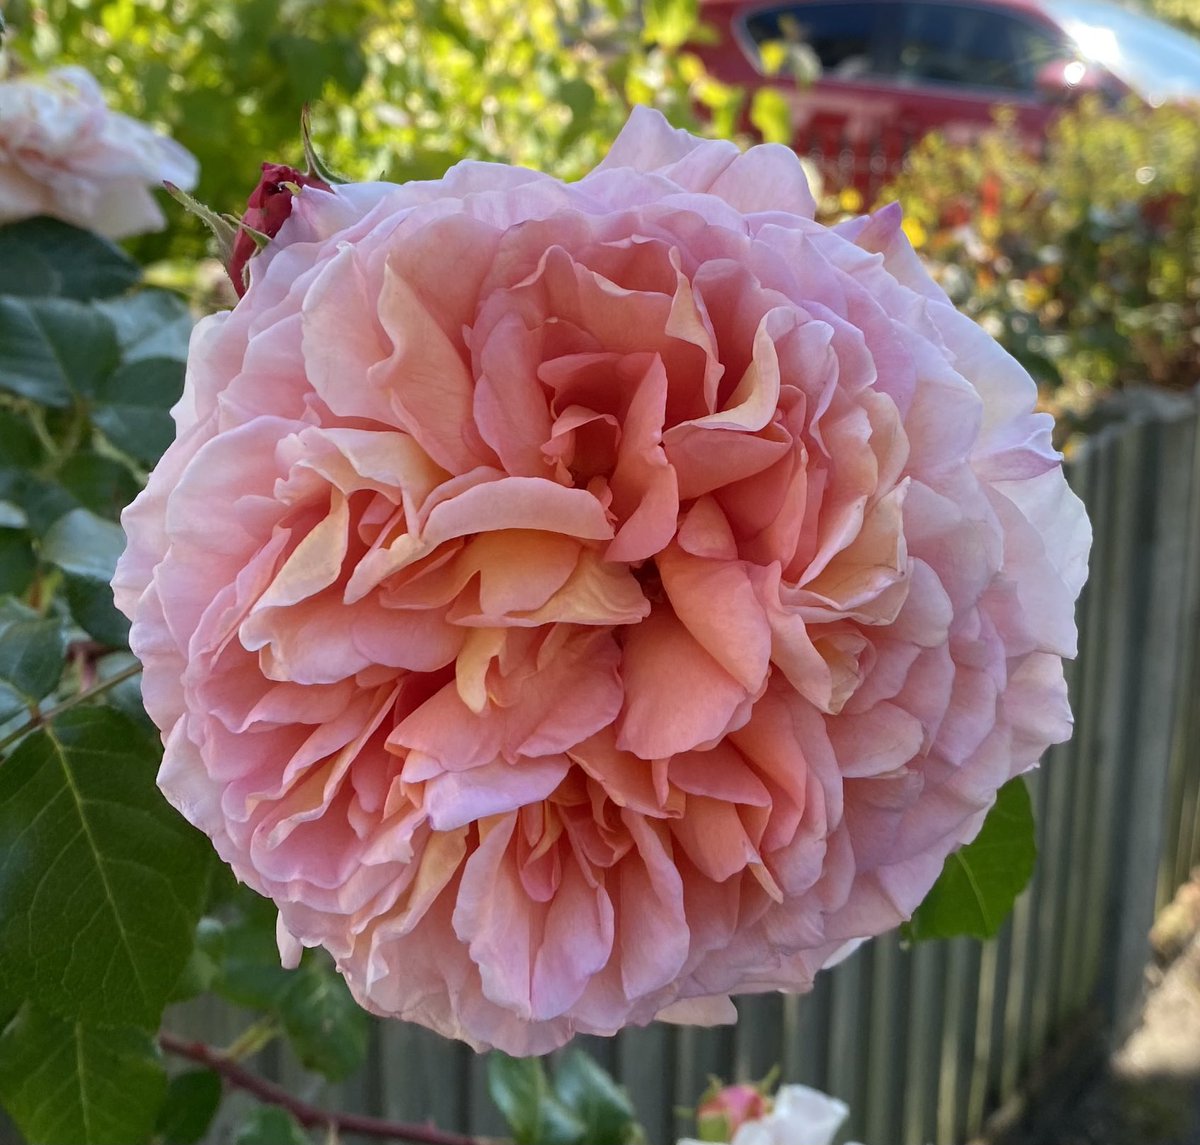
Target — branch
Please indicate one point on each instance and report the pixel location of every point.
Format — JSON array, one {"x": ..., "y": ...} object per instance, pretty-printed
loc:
[
  {"x": 43, "y": 718},
  {"x": 310, "y": 1116}
]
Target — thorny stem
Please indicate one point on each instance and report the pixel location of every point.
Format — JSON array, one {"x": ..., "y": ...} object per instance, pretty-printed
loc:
[
  {"x": 40, "y": 719},
  {"x": 310, "y": 1116}
]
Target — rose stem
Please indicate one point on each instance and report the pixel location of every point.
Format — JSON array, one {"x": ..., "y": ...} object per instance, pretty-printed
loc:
[{"x": 308, "y": 1115}]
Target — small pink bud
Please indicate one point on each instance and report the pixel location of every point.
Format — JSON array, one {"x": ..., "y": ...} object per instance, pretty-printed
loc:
[{"x": 720, "y": 1116}]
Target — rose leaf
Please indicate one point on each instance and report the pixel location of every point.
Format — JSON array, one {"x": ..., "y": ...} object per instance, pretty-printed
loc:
[
  {"x": 980, "y": 882},
  {"x": 101, "y": 882},
  {"x": 600, "y": 1103},
  {"x": 54, "y": 348},
  {"x": 31, "y": 656},
  {"x": 132, "y": 406},
  {"x": 83, "y": 264},
  {"x": 64, "y": 1082},
  {"x": 270, "y": 1125},
  {"x": 191, "y": 1104},
  {"x": 535, "y": 1114},
  {"x": 86, "y": 547}
]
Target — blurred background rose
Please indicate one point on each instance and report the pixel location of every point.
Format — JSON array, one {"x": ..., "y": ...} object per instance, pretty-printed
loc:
[{"x": 64, "y": 153}]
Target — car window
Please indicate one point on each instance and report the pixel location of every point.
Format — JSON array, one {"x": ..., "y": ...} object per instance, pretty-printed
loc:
[
  {"x": 839, "y": 36},
  {"x": 973, "y": 47}
]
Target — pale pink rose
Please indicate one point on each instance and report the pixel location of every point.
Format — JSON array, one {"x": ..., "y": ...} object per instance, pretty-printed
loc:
[
  {"x": 64, "y": 153},
  {"x": 574, "y": 603}
]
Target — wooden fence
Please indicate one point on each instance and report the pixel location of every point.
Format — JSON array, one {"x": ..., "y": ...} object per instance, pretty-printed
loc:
[{"x": 926, "y": 1044}]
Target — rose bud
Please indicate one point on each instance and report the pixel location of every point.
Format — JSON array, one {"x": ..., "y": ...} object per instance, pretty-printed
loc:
[
  {"x": 267, "y": 209},
  {"x": 723, "y": 1111}
]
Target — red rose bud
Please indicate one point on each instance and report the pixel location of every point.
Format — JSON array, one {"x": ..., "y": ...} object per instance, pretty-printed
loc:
[
  {"x": 267, "y": 209},
  {"x": 720, "y": 1116}
]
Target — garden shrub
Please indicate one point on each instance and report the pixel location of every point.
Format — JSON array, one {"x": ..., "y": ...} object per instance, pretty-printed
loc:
[{"x": 1083, "y": 258}]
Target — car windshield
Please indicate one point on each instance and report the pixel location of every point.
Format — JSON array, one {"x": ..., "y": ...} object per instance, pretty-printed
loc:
[{"x": 1156, "y": 60}]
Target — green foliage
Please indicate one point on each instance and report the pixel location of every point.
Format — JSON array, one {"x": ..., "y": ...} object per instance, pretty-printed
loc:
[
  {"x": 101, "y": 883},
  {"x": 535, "y": 1114},
  {"x": 582, "y": 1106},
  {"x": 312, "y": 1005},
  {"x": 64, "y": 1082},
  {"x": 84, "y": 547},
  {"x": 190, "y": 1104},
  {"x": 268, "y": 1125},
  {"x": 48, "y": 258},
  {"x": 979, "y": 883},
  {"x": 400, "y": 89},
  {"x": 597, "y": 1100},
  {"x": 324, "y": 1024},
  {"x": 31, "y": 657},
  {"x": 1083, "y": 259}
]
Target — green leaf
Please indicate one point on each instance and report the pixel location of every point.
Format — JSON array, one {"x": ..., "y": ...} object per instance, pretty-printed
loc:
[
  {"x": 132, "y": 404},
  {"x": 91, "y": 605},
  {"x": 191, "y": 1103},
  {"x": 535, "y": 1114},
  {"x": 26, "y": 273},
  {"x": 43, "y": 501},
  {"x": 86, "y": 265},
  {"x": 101, "y": 882},
  {"x": 669, "y": 22},
  {"x": 125, "y": 697},
  {"x": 17, "y": 562},
  {"x": 771, "y": 113},
  {"x": 86, "y": 547},
  {"x": 326, "y": 1026},
  {"x": 270, "y": 1125},
  {"x": 246, "y": 952},
  {"x": 601, "y": 1104},
  {"x": 99, "y": 483},
  {"x": 32, "y": 649},
  {"x": 150, "y": 324},
  {"x": 64, "y": 1083},
  {"x": 980, "y": 882},
  {"x": 52, "y": 348},
  {"x": 19, "y": 444}
]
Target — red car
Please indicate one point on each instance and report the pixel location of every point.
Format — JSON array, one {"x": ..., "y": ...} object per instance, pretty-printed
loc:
[{"x": 885, "y": 72}]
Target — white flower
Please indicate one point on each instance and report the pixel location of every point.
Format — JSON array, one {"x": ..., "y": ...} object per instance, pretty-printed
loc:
[
  {"x": 64, "y": 153},
  {"x": 800, "y": 1116}
]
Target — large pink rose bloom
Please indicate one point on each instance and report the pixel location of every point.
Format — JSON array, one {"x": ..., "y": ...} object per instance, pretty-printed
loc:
[
  {"x": 572, "y": 604},
  {"x": 64, "y": 153}
]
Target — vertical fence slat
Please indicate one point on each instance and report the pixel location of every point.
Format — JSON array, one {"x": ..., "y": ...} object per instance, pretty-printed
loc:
[
  {"x": 646, "y": 1068},
  {"x": 758, "y": 1036},
  {"x": 1160, "y": 469},
  {"x": 924, "y": 1042},
  {"x": 849, "y": 1018},
  {"x": 958, "y": 1039},
  {"x": 885, "y": 1043},
  {"x": 1185, "y": 783}
]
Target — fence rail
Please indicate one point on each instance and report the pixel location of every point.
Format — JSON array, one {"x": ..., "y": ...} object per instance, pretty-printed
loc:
[{"x": 925, "y": 1044}]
